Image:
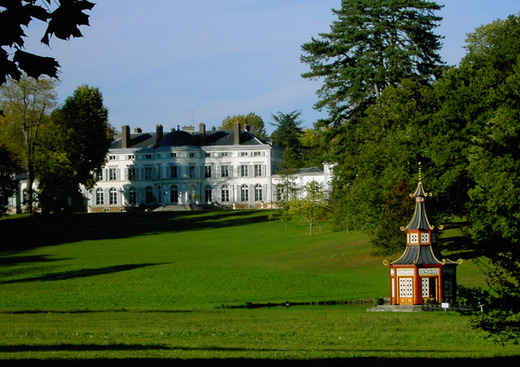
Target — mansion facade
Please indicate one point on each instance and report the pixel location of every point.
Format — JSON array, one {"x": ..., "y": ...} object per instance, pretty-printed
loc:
[{"x": 186, "y": 167}]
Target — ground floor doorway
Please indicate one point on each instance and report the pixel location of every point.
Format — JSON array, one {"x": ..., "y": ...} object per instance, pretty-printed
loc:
[
  {"x": 405, "y": 291},
  {"x": 429, "y": 289}
]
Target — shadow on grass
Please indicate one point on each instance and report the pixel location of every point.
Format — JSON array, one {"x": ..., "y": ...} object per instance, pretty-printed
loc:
[
  {"x": 78, "y": 348},
  {"x": 457, "y": 244},
  {"x": 82, "y": 273},
  {"x": 17, "y": 260},
  {"x": 35, "y": 231},
  {"x": 459, "y": 247},
  {"x": 368, "y": 361}
]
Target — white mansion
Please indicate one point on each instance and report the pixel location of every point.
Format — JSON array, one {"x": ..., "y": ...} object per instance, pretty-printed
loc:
[{"x": 185, "y": 167}]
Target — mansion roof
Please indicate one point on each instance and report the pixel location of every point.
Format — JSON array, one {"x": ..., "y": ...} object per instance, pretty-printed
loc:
[{"x": 139, "y": 140}]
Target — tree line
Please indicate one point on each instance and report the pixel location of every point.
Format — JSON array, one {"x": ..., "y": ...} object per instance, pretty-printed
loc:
[
  {"x": 60, "y": 147},
  {"x": 393, "y": 103}
]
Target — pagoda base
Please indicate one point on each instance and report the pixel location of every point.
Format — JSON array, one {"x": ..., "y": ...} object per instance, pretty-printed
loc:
[{"x": 396, "y": 308}]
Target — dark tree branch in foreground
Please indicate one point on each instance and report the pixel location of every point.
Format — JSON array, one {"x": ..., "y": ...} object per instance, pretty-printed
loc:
[{"x": 63, "y": 17}]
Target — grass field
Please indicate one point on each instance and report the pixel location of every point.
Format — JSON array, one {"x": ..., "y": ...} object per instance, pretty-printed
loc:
[{"x": 164, "y": 285}]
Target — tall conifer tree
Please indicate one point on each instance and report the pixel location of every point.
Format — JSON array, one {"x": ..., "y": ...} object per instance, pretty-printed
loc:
[{"x": 373, "y": 44}]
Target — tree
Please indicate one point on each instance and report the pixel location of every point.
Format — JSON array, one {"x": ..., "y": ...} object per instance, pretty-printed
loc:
[
  {"x": 27, "y": 104},
  {"x": 62, "y": 19},
  {"x": 8, "y": 183},
  {"x": 378, "y": 64},
  {"x": 288, "y": 129},
  {"x": 489, "y": 79},
  {"x": 287, "y": 135},
  {"x": 373, "y": 44},
  {"x": 311, "y": 207},
  {"x": 74, "y": 148},
  {"x": 251, "y": 121},
  {"x": 465, "y": 128},
  {"x": 286, "y": 190},
  {"x": 387, "y": 237},
  {"x": 314, "y": 145},
  {"x": 379, "y": 162}
]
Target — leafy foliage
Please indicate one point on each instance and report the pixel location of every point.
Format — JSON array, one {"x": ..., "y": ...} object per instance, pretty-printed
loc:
[
  {"x": 251, "y": 121},
  {"x": 378, "y": 163},
  {"x": 388, "y": 238},
  {"x": 287, "y": 135},
  {"x": 311, "y": 206},
  {"x": 74, "y": 148},
  {"x": 377, "y": 64},
  {"x": 62, "y": 17},
  {"x": 491, "y": 69},
  {"x": 501, "y": 310},
  {"x": 465, "y": 129},
  {"x": 27, "y": 104},
  {"x": 314, "y": 145},
  {"x": 288, "y": 129},
  {"x": 302, "y": 148}
]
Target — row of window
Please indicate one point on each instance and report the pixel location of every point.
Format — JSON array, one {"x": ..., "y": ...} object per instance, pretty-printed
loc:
[
  {"x": 149, "y": 173},
  {"x": 149, "y": 156},
  {"x": 151, "y": 197}
]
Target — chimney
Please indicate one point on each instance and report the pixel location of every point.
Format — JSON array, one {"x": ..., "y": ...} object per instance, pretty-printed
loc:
[
  {"x": 236, "y": 134},
  {"x": 125, "y": 137},
  {"x": 138, "y": 130},
  {"x": 202, "y": 133},
  {"x": 159, "y": 134}
]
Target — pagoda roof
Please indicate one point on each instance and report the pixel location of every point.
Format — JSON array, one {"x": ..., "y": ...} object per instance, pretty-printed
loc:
[
  {"x": 419, "y": 218},
  {"x": 421, "y": 255}
]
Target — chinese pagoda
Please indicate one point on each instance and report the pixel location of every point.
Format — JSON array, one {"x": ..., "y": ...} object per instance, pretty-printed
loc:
[{"x": 421, "y": 275}]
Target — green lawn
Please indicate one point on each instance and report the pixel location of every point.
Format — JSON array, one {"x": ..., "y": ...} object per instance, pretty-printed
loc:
[
  {"x": 218, "y": 259},
  {"x": 161, "y": 285}
]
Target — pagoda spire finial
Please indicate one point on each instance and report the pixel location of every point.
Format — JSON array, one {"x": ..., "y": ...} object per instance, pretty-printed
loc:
[
  {"x": 419, "y": 219},
  {"x": 420, "y": 190}
]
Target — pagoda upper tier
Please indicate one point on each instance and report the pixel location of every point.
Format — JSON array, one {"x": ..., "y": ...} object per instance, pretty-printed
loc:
[
  {"x": 419, "y": 219},
  {"x": 421, "y": 245}
]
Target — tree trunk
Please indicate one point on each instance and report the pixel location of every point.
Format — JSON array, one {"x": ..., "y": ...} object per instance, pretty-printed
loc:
[{"x": 29, "y": 189}]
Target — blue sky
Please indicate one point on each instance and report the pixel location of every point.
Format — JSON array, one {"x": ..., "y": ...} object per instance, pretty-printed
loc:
[{"x": 182, "y": 62}]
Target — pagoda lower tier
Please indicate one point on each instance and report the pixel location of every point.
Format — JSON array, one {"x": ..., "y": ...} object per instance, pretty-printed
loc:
[{"x": 419, "y": 277}]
